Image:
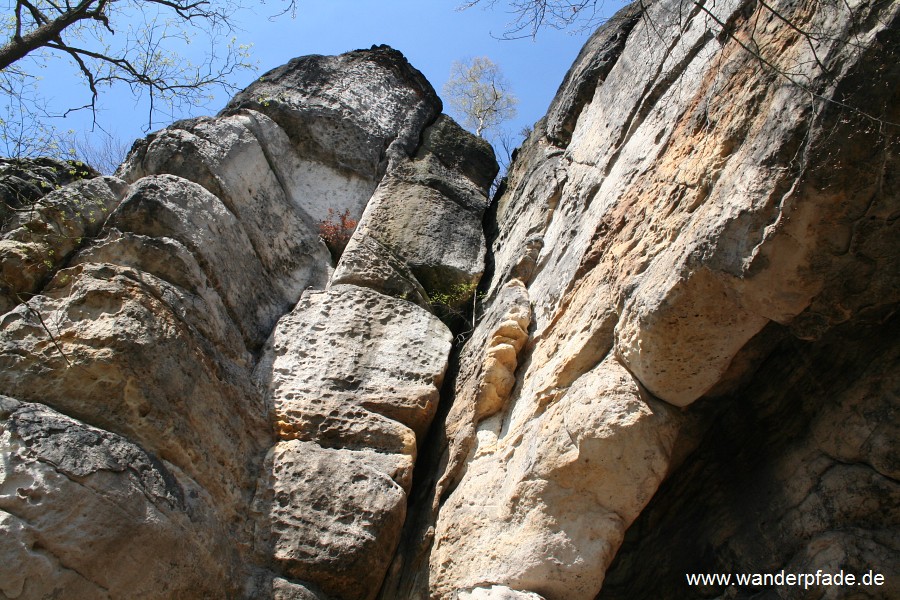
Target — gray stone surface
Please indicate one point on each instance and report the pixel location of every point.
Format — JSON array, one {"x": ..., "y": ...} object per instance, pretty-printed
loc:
[
  {"x": 114, "y": 347},
  {"x": 331, "y": 516},
  {"x": 351, "y": 367},
  {"x": 150, "y": 299},
  {"x": 24, "y": 181},
  {"x": 130, "y": 526},
  {"x": 357, "y": 111},
  {"x": 593, "y": 64},
  {"x": 421, "y": 235},
  {"x": 352, "y": 377},
  {"x": 497, "y": 592},
  {"x": 37, "y": 241}
]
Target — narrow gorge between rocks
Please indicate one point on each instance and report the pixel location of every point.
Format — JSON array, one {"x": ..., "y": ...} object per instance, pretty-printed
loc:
[{"x": 683, "y": 357}]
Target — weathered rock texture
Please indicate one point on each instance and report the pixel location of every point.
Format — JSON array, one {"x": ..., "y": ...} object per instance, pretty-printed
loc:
[
  {"x": 684, "y": 358},
  {"x": 352, "y": 378},
  {"x": 710, "y": 189},
  {"x": 176, "y": 424},
  {"x": 71, "y": 492},
  {"x": 797, "y": 471}
]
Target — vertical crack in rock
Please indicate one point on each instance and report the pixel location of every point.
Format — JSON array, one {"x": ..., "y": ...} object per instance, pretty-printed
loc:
[
  {"x": 353, "y": 375},
  {"x": 692, "y": 275}
]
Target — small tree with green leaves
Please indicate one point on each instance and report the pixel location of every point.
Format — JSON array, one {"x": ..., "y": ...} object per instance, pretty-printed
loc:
[{"x": 479, "y": 95}]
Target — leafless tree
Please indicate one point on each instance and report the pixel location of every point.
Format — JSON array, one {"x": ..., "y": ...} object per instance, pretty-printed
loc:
[
  {"x": 103, "y": 151},
  {"x": 533, "y": 15},
  {"x": 136, "y": 43},
  {"x": 506, "y": 145}
]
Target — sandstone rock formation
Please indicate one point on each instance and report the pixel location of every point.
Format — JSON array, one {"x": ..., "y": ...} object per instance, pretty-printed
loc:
[
  {"x": 250, "y": 425},
  {"x": 352, "y": 378},
  {"x": 683, "y": 358},
  {"x": 688, "y": 207},
  {"x": 72, "y": 492}
]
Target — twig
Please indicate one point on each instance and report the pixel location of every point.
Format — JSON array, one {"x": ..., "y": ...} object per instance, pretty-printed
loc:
[{"x": 40, "y": 319}]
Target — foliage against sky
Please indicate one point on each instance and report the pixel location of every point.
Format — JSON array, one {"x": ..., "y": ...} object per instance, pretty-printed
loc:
[{"x": 479, "y": 95}]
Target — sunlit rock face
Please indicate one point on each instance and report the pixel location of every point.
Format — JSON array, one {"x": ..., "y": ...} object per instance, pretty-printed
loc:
[
  {"x": 227, "y": 371},
  {"x": 191, "y": 408},
  {"x": 682, "y": 246}
]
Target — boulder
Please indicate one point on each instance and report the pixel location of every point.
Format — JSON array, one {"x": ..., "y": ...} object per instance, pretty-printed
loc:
[
  {"x": 351, "y": 367},
  {"x": 120, "y": 501},
  {"x": 421, "y": 236},
  {"x": 352, "y": 378},
  {"x": 356, "y": 112},
  {"x": 332, "y": 516}
]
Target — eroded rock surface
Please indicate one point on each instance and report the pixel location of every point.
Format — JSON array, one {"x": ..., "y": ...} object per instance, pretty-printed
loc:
[
  {"x": 404, "y": 247},
  {"x": 129, "y": 505},
  {"x": 229, "y": 440},
  {"x": 683, "y": 357},
  {"x": 816, "y": 483},
  {"x": 544, "y": 504},
  {"x": 352, "y": 378},
  {"x": 684, "y": 205}
]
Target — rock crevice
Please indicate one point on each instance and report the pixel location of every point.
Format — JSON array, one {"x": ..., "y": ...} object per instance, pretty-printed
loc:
[
  {"x": 683, "y": 358},
  {"x": 175, "y": 324}
]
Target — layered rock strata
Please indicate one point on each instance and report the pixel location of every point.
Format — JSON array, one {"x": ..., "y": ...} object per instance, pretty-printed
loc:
[
  {"x": 683, "y": 360},
  {"x": 178, "y": 424}
]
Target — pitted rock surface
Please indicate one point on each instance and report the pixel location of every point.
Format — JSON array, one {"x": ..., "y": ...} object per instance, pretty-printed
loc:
[{"x": 682, "y": 356}]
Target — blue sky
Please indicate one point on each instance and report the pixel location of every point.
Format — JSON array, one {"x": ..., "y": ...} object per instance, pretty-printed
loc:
[{"x": 431, "y": 33}]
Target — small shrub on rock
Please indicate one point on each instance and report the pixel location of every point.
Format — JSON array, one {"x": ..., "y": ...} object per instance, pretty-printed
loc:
[
  {"x": 336, "y": 230},
  {"x": 454, "y": 305}
]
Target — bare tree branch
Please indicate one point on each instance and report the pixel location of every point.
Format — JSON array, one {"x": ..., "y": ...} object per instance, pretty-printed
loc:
[
  {"x": 533, "y": 15},
  {"x": 143, "y": 57},
  {"x": 46, "y": 329}
]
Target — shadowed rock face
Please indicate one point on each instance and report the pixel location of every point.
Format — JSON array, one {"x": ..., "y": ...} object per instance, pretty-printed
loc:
[
  {"x": 798, "y": 470},
  {"x": 684, "y": 358}
]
